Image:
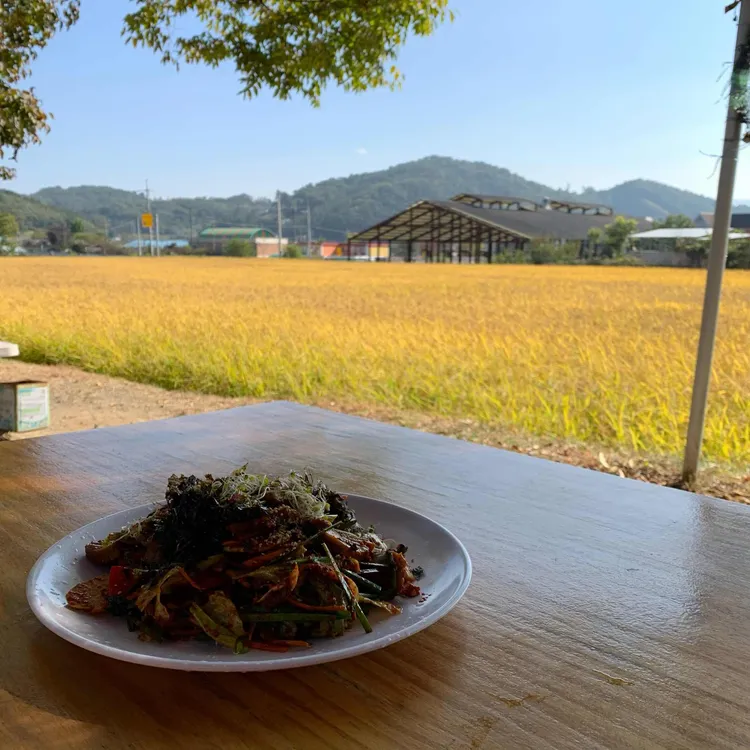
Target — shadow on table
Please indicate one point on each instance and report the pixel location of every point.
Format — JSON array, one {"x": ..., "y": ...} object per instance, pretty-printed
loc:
[{"x": 322, "y": 706}]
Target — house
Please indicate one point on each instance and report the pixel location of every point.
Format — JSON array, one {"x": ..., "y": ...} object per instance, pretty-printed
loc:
[
  {"x": 741, "y": 221},
  {"x": 270, "y": 247},
  {"x": 705, "y": 220}
]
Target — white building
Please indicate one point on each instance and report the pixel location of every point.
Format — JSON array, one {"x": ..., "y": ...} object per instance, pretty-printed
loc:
[{"x": 675, "y": 247}]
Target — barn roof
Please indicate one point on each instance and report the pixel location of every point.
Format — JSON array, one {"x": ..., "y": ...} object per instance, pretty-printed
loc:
[
  {"x": 490, "y": 201},
  {"x": 453, "y": 221},
  {"x": 526, "y": 204},
  {"x": 570, "y": 206}
]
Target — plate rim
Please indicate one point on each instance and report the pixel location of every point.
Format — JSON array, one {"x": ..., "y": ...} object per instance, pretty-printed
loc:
[{"x": 306, "y": 659}]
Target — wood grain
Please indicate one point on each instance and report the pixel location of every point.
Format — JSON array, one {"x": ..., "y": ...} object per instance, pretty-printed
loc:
[{"x": 603, "y": 612}]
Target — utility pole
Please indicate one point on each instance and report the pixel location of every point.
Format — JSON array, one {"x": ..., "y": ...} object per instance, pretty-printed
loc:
[
  {"x": 151, "y": 228},
  {"x": 309, "y": 231},
  {"x": 717, "y": 257},
  {"x": 278, "y": 212},
  {"x": 158, "y": 246},
  {"x": 138, "y": 232}
]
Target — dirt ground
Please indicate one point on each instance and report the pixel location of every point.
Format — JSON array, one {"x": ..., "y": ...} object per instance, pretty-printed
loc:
[{"x": 83, "y": 400}]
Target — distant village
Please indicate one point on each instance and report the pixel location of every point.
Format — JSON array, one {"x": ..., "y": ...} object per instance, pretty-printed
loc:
[{"x": 468, "y": 228}]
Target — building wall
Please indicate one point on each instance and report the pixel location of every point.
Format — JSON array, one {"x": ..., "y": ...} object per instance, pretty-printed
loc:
[
  {"x": 359, "y": 250},
  {"x": 379, "y": 251},
  {"x": 328, "y": 249},
  {"x": 268, "y": 247}
]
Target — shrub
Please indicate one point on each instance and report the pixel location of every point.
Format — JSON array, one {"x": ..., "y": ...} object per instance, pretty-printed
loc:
[
  {"x": 82, "y": 243},
  {"x": 239, "y": 248},
  {"x": 511, "y": 257},
  {"x": 739, "y": 254},
  {"x": 292, "y": 251},
  {"x": 617, "y": 235},
  {"x": 546, "y": 253}
]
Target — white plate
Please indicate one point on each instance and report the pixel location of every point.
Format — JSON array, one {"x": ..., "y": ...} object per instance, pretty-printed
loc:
[{"x": 447, "y": 574}]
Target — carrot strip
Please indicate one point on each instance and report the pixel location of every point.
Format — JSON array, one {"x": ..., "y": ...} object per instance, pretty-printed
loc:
[
  {"x": 268, "y": 647},
  {"x": 352, "y": 586},
  {"x": 293, "y": 578}
]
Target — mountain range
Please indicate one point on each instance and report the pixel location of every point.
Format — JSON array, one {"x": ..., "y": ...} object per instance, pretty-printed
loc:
[{"x": 336, "y": 205}]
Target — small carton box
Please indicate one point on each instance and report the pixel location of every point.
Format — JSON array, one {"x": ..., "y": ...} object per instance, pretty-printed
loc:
[{"x": 24, "y": 406}]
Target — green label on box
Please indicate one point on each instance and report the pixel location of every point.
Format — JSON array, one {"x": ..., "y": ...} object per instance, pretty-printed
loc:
[{"x": 32, "y": 408}]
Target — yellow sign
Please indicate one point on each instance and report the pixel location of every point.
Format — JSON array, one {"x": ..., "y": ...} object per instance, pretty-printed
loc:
[{"x": 147, "y": 221}]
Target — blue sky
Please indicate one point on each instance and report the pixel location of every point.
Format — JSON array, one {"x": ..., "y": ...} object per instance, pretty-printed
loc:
[{"x": 581, "y": 92}]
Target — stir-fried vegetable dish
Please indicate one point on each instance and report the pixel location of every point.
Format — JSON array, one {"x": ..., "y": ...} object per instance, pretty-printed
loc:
[{"x": 249, "y": 561}]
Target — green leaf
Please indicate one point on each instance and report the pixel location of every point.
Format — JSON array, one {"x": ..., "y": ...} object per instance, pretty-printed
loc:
[
  {"x": 221, "y": 609},
  {"x": 290, "y": 47},
  {"x": 25, "y": 29},
  {"x": 214, "y": 630}
]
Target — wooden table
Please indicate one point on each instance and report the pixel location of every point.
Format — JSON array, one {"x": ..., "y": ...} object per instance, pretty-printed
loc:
[{"x": 603, "y": 612}]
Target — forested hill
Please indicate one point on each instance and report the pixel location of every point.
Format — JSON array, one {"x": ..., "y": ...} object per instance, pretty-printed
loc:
[
  {"x": 353, "y": 203},
  {"x": 30, "y": 213},
  {"x": 647, "y": 198},
  {"x": 119, "y": 209}
]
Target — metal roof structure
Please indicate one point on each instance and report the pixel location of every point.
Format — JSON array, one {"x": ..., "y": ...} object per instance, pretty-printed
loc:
[
  {"x": 439, "y": 221},
  {"x": 596, "y": 209},
  {"x": 507, "y": 203},
  {"x": 458, "y": 222},
  {"x": 502, "y": 202}
]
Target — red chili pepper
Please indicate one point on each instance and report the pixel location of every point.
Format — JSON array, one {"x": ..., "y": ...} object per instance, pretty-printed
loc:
[{"x": 120, "y": 581}]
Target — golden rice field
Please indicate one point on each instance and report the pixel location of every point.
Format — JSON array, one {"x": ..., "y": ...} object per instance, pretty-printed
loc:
[{"x": 599, "y": 355}]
